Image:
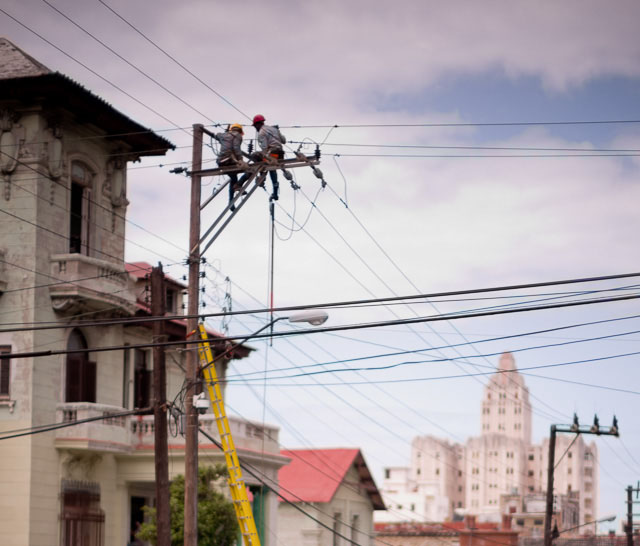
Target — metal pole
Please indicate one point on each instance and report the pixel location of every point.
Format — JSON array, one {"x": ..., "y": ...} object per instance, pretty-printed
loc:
[
  {"x": 629, "y": 529},
  {"x": 191, "y": 432},
  {"x": 163, "y": 521},
  {"x": 550, "y": 469}
]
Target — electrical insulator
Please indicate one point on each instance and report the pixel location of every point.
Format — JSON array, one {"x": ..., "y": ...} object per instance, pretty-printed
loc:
[
  {"x": 250, "y": 147},
  {"x": 317, "y": 152},
  {"x": 287, "y": 174},
  {"x": 317, "y": 172}
]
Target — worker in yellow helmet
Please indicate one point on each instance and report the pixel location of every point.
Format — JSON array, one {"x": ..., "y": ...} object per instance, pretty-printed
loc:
[{"x": 230, "y": 154}]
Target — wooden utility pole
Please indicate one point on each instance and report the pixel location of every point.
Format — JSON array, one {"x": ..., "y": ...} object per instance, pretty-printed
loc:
[
  {"x": 191, "y": 432},
  {"x": 163, "y": 521},
  {"x": 550, "y": 469}
]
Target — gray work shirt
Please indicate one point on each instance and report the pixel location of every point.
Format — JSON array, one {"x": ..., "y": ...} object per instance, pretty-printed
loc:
[
  {"x": 230, "y": 146},
  {"x": 270, "y": 138}
]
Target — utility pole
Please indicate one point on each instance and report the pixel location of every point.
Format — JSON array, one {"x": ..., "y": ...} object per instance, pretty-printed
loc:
[
  {"x": 574, "y": 428},
  {"x": 163, "y": 520},
  {"x": 192, "y": 375},
  {"x": 628, "y": 528},
  {"x": 550, "y": 469}
]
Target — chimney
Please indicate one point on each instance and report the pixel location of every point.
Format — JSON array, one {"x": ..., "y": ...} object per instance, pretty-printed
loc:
[
  {"x": 506, "y": 522},
  {"x": 470, "y": 521}
]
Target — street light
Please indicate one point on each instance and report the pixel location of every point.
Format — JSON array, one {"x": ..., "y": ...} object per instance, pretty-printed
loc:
[{"x": 315, "y": 317}]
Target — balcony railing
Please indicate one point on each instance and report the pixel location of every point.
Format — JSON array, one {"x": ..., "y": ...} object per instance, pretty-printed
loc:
[
  {"x": 89, "y": 284},
  {"x": 125, "y": 434},
  {"x": 110, "y": 432},
  {"x": 246, "y": 434}
]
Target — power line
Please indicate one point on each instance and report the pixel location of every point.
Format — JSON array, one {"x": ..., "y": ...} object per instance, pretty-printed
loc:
[
  {"x": 475, "y": 147},
  {"x": 483, "y": 356},
  {"x": 138, "y": 101},
  {"x": 91, "y": 222},
  {"x": 438, "y": 378},
  {"x": 486, "y": 156},
  {"x": 465, "y": 124},
  {"x": 7, "y": 435},
  {"x": 250, "y": 469},
  {"x": 346, "y": 303},
  {"x": 413, "y": 362},
  {"x": 172, "y": 58},
  {"x": 332, "y": 328},
  {"x": 140, "y": 71},
  {"x": 95, "y": 203},
  {"x": 388, "y": 287},
  {"x": 343, "y": 400}
]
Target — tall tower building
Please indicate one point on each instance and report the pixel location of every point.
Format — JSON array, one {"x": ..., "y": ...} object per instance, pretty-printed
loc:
[
  {"x": 476, "y": 476},
  {"x": 505, "y": 406}
]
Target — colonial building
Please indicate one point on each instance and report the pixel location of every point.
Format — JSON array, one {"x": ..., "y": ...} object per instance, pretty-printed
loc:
[
  {"x": 63, "y": 204},
  {"x": 448, "y": 478}
]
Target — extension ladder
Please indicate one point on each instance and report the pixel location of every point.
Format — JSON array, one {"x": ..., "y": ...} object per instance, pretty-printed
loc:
[{"x": 237, "y": 486}]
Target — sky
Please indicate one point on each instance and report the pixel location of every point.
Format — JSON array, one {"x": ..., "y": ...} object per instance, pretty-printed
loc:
[{"x": 430, "y": 115}]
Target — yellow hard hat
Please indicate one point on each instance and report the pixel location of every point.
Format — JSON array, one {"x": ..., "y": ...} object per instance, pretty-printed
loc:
[{"x": 236, "y": 126}]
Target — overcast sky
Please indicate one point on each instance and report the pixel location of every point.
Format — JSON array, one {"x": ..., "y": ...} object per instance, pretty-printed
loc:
[{"x": 459, "y": 215}]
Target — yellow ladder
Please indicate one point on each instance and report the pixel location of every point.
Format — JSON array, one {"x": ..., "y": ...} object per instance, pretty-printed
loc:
[{"x": 236, "y": 483}]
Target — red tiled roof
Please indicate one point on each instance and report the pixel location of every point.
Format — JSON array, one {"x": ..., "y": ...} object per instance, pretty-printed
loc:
[
  {"x": 314, "y": 475},
  {"x": 140, "y": 269}
]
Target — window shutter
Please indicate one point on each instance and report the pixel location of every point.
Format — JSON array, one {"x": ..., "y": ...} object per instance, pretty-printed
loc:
[
  {"x": 5, "y": 374},
  {"x": 86, "y": 221},
  {"x": 73, "y": 379},
  {"x": 89, "y": 382}
]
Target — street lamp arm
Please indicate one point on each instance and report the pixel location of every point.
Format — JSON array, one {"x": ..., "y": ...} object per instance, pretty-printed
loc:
[{"x": 608, "y": 518}]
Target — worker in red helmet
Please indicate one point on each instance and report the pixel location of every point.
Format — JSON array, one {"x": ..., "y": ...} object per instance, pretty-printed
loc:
[
  {"x": 270, "y": 140},
  {"x": 230, "y": 155}
]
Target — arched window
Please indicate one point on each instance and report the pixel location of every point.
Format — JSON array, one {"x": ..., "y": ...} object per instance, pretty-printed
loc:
[
  {"x": 79, "y": 208},
  {"x": 80, "y": 383}
]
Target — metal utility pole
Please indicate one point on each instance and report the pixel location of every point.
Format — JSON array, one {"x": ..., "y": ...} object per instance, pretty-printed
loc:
[
  {"x": 163, "y": 521},
  {"x": 574, "y": 428},
  {"x": 191, "y": 432}
]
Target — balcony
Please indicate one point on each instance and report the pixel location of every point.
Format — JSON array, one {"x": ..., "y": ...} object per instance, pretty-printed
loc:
[
  {"x": 130, "y": 433},
  {"x": 89, "y": 284},
  {"x": 246, "y": 434},
  {"x": 110, "y": 434}
]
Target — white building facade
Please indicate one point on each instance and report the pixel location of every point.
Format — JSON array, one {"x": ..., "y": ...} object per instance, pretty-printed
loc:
[{"x": 447, "y": 478}]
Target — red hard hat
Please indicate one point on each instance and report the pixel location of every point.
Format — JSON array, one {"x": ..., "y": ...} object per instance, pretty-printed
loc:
[{"x": 258, "y": 118}]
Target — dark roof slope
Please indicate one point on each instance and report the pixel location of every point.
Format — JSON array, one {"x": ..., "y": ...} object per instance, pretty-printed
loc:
[{"x": 27, "y": 81}]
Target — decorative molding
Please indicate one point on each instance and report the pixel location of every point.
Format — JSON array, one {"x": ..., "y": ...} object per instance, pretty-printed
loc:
[
  {"x": 9, "y": 149},
  {"x": 115, "y": 184}
]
